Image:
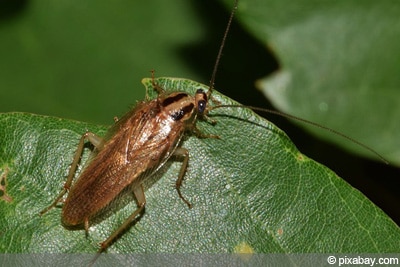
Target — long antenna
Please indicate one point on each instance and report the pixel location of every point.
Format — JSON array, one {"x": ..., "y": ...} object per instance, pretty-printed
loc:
[
  {"x": 286, "y": 115},
  {"x": 274, "y": 112},
  {"x": 221, "y": 48}
]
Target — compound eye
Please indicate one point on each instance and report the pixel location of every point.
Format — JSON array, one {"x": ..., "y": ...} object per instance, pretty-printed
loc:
[
  {"x": 201, "y": 106},
  {"x": 201, "y": 100}
]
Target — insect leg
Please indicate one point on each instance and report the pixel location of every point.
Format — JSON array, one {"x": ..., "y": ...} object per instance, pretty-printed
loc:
[
  {"x": 96, "y": 141},
  {"x": 141, "y": 200},
  {"x": 182, "y": 152},
  {"x": 158, "y": 88},
  {"x": 199, "y": 134}
]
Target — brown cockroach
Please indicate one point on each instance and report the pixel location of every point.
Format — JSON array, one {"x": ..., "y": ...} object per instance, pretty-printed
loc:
[
  {"x": 136, "y": 147},
  {"x": 141, "y": 142}
]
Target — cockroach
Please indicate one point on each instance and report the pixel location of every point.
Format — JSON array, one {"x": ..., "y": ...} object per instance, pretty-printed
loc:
[{"x": 136, "y": 147}]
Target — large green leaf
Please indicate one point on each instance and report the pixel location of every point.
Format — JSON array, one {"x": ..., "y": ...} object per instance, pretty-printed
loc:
[
  {"x": 338, "y": 66},
  {"x": 251, "y": 188}
]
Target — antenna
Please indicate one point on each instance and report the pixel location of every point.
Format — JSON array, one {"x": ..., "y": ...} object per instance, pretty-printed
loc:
[
  {"x": 221, "y": 48},
  {"x": 286, "y": 115}
]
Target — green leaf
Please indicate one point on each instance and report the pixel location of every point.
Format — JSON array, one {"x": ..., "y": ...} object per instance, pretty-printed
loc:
[
  {"x": 251, "y": 188},
  {"x": 338, "y": 66}
]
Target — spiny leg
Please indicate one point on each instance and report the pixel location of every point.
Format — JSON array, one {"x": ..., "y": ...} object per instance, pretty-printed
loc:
[
  {"x": 141, "y": 200},
  {"x": 96, "y": 141},
  {"x": 200, "y": 134},
  {"x": 184, "y": 153},
  {"x": 158, "y": 88}
]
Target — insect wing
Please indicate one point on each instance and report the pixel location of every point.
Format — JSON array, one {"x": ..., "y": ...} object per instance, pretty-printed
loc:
[{"x": 140, "y": 145}]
